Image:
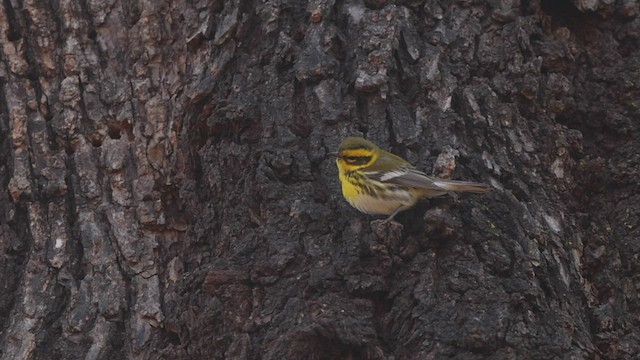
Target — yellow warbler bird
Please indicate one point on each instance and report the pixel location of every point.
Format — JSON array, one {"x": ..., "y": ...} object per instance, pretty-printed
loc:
[{"x": 375, "y": 181}]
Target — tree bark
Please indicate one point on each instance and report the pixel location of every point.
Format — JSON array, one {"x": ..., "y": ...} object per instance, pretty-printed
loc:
[{"x": 168, "y": 188}]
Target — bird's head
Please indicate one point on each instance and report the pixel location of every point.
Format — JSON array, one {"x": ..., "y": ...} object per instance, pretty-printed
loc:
[{"x": 355, "y": 153}]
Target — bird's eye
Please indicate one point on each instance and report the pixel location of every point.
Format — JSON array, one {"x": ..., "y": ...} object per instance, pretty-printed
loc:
[{"x": 357, "y": 160}]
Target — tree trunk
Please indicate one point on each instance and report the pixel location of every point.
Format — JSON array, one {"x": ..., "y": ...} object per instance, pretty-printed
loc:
[{"x": 169, "y": 190}]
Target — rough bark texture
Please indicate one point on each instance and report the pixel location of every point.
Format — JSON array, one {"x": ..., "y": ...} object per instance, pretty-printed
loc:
[{"x": 168, "y": 190}]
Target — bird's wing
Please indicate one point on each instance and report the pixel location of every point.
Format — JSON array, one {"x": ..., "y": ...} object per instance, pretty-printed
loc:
[
  {"x": 393, "y": 169},
  {"x": 419, "y": 180},
  {"x": 406, "y": 176}
]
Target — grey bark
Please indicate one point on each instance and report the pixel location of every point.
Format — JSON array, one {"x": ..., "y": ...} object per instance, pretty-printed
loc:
[{"x": 168, "y": 190}]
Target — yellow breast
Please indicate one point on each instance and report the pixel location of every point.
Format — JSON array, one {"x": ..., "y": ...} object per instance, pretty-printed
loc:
[{"x": 384, "y": 202}]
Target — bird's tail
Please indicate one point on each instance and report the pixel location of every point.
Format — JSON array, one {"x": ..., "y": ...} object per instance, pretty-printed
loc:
[{"x": 468, "y": 186}]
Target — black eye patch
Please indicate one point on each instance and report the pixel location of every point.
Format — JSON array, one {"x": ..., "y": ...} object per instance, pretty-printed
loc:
[{"x": 357, "y": 160}]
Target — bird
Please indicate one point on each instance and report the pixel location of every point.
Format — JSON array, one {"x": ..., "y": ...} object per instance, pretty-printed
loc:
[{"x": 377, "y": 182}]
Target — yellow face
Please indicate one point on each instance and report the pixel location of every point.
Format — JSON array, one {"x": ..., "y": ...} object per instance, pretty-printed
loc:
[
  {"x": 354, "y": 159},
  {"x": 355, "y": 153}
]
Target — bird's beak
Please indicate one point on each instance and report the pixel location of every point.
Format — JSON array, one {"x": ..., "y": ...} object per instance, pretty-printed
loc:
[{"x": 333, "y": 154}]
